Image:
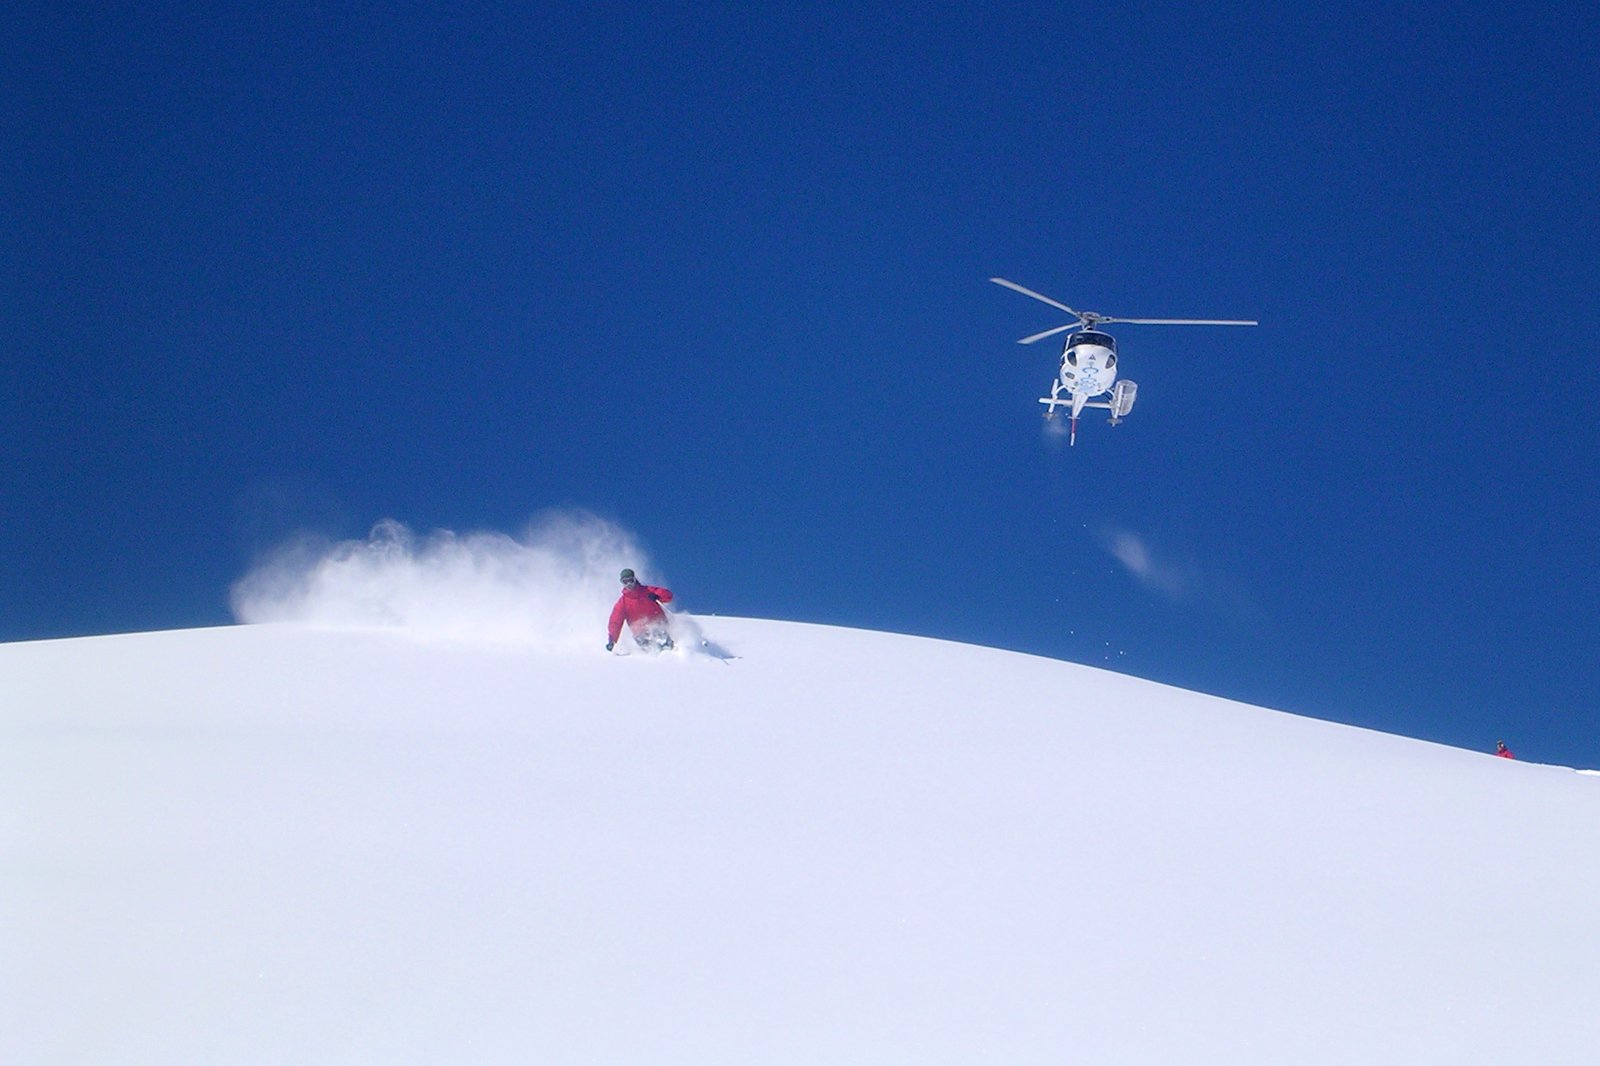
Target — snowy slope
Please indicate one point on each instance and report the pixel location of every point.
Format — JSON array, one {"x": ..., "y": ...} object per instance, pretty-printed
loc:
[{"x": 281, "y": 844}]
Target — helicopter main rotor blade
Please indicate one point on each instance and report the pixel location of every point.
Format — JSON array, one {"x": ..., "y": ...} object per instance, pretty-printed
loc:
[
  {"x": 1048, "y": 333},
  {"x": 1037, "y": 296},
  {"x": 1182, "y": 321}
]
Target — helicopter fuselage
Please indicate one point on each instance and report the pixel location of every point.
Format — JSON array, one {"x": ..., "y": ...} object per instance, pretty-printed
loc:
[
  {"x": 1089, "y": 369},
  {"x": 1089, "y": 363}
]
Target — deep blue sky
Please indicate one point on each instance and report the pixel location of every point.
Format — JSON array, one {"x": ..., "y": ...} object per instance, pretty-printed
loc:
[{"x": 719, "y": 276}]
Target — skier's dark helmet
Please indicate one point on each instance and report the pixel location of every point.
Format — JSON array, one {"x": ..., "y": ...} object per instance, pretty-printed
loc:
[{"x": 627, "y": 577}]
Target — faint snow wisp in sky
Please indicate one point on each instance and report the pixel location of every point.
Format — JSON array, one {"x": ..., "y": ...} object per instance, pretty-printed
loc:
[
  {"x": 1055, "y": 431},
  {"x": 553, "y": 586},
  {"x": 1177, "y": 581},
  {"x": 1135, "y": 555}
]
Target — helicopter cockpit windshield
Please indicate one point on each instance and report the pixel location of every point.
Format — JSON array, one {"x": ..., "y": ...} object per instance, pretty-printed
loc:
[
  {"x": 1089, "y": 336},
  {"x": 1099, "y": 340}
]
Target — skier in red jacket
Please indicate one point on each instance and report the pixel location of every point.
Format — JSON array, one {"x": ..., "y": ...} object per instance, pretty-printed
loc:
[
  {"x": 640, "y": 606},
  {"x": 1501, "y": 750}
]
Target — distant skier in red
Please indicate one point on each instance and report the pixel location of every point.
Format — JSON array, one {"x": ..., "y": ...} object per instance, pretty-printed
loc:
[
  {"x": 1501, "y": 750},
  {"x": 640, "y": 607}
]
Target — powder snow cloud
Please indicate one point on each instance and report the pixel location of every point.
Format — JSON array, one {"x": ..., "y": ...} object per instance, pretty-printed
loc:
[{"x": 552, "y": 586}]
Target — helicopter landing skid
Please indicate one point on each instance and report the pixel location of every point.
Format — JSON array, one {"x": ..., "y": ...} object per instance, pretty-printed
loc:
[
  {"x": 1052, "y": 402},
  {"x": 1067, "y": 405}
]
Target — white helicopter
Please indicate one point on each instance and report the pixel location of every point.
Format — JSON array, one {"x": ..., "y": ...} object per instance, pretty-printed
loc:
[{"x": 1089, "y": 360}]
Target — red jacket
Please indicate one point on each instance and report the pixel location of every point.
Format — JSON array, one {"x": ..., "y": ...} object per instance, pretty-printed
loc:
[{"x": 639, "y": 605}]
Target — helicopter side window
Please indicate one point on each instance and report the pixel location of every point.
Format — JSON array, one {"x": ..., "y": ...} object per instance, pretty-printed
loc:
[
  {"x": 1072, "y": 357},
  {"x": 1111, "y": 360}
]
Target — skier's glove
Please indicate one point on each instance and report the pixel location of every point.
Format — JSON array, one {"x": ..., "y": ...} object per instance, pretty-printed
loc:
[{"x": 610, "y": 644}]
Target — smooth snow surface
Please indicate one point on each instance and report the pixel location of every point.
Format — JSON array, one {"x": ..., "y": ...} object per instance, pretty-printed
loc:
[{"x": 277, "y": 844}]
